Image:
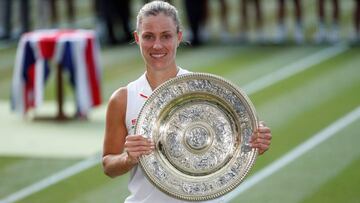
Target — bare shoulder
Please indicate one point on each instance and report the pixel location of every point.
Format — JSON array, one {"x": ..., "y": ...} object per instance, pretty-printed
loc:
[
  {"x": 118, "y": 98},
  {"x": 117, "y": 103},
  {"x": 119, "y": 95}
]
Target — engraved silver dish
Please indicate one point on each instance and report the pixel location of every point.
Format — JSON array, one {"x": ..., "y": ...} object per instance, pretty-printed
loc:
[{"x": 201, "y": 125}]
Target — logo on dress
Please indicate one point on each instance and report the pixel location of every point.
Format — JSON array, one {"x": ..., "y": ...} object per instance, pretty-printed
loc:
[
  {"x": 133, "y": 122},
  {"x": 143, "y": 95}
]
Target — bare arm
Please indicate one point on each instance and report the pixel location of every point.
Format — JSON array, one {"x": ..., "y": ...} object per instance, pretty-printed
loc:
[{"x": 116, "y": 162}]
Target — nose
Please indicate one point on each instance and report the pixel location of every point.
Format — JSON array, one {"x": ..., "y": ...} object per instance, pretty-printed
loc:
[{"x": 157, "y": 44}]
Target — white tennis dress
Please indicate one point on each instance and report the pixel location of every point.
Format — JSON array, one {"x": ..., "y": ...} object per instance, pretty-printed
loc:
[{"x": 142, "y": 191}]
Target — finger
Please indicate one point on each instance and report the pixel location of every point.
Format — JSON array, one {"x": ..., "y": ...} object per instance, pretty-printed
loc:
[
  {"x": 263, "y": 129},
  {"x": 260, "y": 151},
  {"x": 131, "y": 143},
  {"x": 138, "y": 143},
  {"x": 266, "y": 136},
  {"x": 262, "y": 141},
  {"x": 255, "y": 135},
  {"x": 261, "y": 147},
  {"x": 135, "y": 137},
  {"x": 138, "y": 138},
  {"x": 139, "y": 153},
  {"x": 140, "y": 148}
]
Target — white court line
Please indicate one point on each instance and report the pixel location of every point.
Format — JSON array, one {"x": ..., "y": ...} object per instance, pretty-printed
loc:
[
  {"x": 251, "y": 88},
  {"x": 296, "y": 153},
  {"x": 53, "y": 179}
]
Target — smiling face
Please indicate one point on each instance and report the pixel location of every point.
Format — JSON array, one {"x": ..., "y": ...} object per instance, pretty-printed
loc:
[{"x": 158, "y": 40}]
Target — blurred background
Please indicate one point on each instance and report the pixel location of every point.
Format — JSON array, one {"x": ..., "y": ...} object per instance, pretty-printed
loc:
[{"x": 297, "y": 60}]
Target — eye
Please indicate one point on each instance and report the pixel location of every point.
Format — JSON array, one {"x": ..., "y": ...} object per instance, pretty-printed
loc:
[
  {"x": 147, "y": 37},
  {"x": 167, "y": 36}
]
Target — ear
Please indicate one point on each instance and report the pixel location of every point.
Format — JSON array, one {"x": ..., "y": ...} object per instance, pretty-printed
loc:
[
  {"x": 136, "y": 37},
  {"x": 180, "y": 37}
]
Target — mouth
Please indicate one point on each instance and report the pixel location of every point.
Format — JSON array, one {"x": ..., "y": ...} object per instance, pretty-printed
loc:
[{"x": 158, "y": 55}]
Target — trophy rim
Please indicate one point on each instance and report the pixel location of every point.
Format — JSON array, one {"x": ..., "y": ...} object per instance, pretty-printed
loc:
[{"x": 250, "y": 161}]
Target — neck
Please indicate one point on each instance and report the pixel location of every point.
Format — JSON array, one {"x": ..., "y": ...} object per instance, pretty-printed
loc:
[{"x": 156, "y": 78}]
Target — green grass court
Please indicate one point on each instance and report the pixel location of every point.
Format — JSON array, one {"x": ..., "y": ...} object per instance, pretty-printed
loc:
[{"x": 302, "y": 92}]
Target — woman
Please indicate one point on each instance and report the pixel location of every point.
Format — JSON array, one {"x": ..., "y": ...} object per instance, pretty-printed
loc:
[{"x": 158, "y": 35}]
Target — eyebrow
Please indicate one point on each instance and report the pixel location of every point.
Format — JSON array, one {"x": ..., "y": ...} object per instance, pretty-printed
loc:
[{"x": 164, "y": 32}]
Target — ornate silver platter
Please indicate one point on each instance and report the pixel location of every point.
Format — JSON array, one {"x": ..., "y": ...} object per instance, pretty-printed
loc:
[{"x": 201, "y": 125}]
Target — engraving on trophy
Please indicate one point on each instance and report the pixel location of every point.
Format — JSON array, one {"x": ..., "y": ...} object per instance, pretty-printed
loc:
[{"x": 197, "y": 137}]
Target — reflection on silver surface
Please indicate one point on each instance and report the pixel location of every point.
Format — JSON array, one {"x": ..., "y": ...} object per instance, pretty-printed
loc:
[{"x": 201, "y": 125}]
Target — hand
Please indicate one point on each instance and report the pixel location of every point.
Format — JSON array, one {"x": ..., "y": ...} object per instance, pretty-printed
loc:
[
  {"x": 261, "y": 138},
  {"x": 136, "y": 146}
]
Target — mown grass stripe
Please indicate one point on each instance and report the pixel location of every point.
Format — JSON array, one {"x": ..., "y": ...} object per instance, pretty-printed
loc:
[
  {"x": 310, "y": 172},
  {"x": 248, "y": 68},
  {"x": 89, "y": 186},
  {"x": 19, "y": 172},
  {"x": 291, "y": 156},
  {"x": 341, "y": 188},
  {"x": 330, "y": 78},
  {"x": 51, "y": 180},
  {"x": 294, "y": 68}
]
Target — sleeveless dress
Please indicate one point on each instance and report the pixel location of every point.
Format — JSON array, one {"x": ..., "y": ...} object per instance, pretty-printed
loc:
[{"x": 142, "y": 191}]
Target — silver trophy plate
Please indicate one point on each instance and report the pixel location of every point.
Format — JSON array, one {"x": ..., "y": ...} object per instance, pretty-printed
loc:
[{"x": 201, "y": 125}]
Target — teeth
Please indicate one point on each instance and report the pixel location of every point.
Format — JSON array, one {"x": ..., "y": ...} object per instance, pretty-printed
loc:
[{"x": 157, "y": 55}]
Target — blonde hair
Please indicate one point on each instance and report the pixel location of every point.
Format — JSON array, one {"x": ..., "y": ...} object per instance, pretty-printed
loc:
[{"x": 156, "y": 7}]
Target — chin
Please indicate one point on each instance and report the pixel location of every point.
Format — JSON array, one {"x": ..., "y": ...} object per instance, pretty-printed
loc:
[{"x": 158, "y": 66}]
